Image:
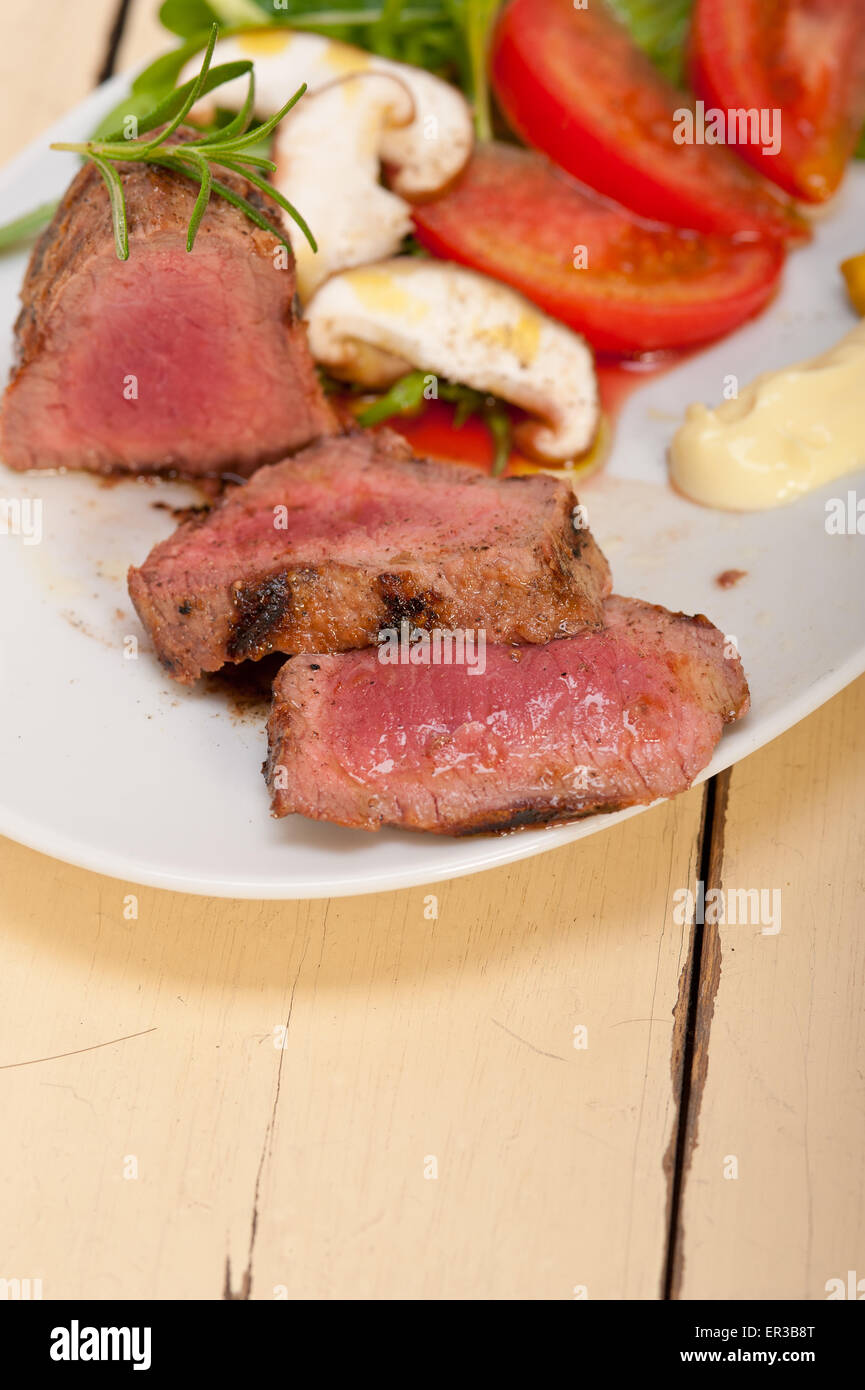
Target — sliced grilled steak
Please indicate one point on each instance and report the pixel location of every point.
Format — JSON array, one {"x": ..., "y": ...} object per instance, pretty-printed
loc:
[
  {"x": 193, "y": 361},
  {"x": 546, "y": 734},
  {"x": 320, "y": 552}
]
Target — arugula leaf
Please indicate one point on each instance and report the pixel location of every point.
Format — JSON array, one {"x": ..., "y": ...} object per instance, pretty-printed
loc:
[
  {"x": 408, "y": 395},
  {"x": 447, "y": 37},
  {"x": 161, "y": 75},
  {"x": 478, "y": 23},
  {"x": 493, "y": 414},
  {"x": 153, "y": 85},
  {"x": 186, "y": 17},
  {"x": 404, "y": 396},
  {"x": 660, "y": 28},
  {"x": 12, "y": 233}
]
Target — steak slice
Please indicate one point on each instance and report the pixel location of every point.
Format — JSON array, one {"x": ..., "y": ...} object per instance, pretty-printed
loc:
[
  {"x": 546, "y": 734},
  {"x": 190, "y": 361},
  {"x": 354, "y": 534}
]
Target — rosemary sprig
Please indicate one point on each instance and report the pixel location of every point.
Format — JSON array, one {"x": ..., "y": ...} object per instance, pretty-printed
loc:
[{"x": 227, "y": 147}]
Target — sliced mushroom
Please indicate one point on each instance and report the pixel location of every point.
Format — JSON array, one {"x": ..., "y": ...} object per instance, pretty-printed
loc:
[
  {"x": 426, "y": 154},
  {"x": 328, "y": 153},
  {"x": 375, "y": 323}
]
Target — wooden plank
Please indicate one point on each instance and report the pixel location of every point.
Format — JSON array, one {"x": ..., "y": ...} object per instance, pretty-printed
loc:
[
  {"x": 409, "y": 1039},
  {"x": 785, "y": 1082},
  {"x": 143, "y": 37},
  {"x": 51, "y": 57}
]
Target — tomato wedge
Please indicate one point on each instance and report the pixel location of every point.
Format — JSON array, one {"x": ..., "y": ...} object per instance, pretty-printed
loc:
[
  {"x": 571, "y": 83},
  {"x": 627, "y": 286},
  {"x": 803, "y": 58}
]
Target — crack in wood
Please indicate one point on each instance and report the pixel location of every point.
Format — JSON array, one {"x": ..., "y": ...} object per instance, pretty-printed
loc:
[
  {"x": 245, "y": 1290},
  {"x": 692, "y": 1023},
  {"x": 555, "y": 1056},
  {"x": 76, "y": 1051}
]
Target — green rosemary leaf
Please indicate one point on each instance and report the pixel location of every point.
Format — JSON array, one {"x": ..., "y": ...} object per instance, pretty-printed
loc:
[
  {"x": 160, "y": 77},
  {"x": 238, "y": 125},
  {"x": 134, "y": 107},
  {"x": 195, "y": 90},
  {"x": 260, "y": 132},
  {"x": 255, "y": 161},
  {"x": 224, "y": 72},
  {"x": 252, "y": 212},
  {"x": 230, "y": 147},
  {"x": 114, "y": 185},
  {"x": 21, "y": 228},
  {"x": 269, "y": 191},
  {"x": 206, "y": 176}
]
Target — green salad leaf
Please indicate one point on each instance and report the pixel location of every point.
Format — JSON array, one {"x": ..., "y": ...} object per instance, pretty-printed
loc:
[
  {"x": 660, "y": 28},
  {"x": 447, "y": 37},
  {"x": 13, "y": 233},
  {"x": 409, "y": 394}
]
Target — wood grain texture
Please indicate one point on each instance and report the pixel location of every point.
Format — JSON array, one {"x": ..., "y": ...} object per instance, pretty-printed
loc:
[
  {"x": 50, "y": 58},
  {"x": 785, "y": 1086},
  {"x": 408, "y": 1038},
  {"x": 143, "y": 37}
]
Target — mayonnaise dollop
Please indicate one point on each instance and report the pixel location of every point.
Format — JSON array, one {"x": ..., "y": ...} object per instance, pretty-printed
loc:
[{"x": 785, "y": 434}]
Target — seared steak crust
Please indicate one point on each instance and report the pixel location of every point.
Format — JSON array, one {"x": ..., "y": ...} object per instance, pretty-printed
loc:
[
  {"x": 195, "y": 362},
  {"x": 319, "y": 553},
  {"x": 545, "y": 734}
]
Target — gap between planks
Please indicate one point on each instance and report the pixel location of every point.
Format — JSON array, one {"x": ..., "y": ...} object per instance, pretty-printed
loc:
[
  {"x": 695, "y": 1006},
  {"x": 115, "y": 35}
]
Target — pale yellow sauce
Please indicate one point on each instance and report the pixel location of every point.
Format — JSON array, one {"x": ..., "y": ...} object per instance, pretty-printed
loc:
[{"x": 787, "y": 433}]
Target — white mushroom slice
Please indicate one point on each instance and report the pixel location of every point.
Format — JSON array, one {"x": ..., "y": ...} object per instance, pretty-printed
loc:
[
  {"x": 377, "y": 322},
  {"x": 426, "y": 154},
  {"x": 327, "y": 158}
]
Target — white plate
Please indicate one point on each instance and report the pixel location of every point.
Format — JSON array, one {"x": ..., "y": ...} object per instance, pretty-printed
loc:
[{"x": 105, "y": 763}]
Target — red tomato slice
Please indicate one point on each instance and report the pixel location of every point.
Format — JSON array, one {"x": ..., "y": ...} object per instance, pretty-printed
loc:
[
  {"x": 433, "y": 434},
  {"x": 571, "y": 83},
  {"x": 803, "y": 58},
  {"x": 515, "y": 216}
]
